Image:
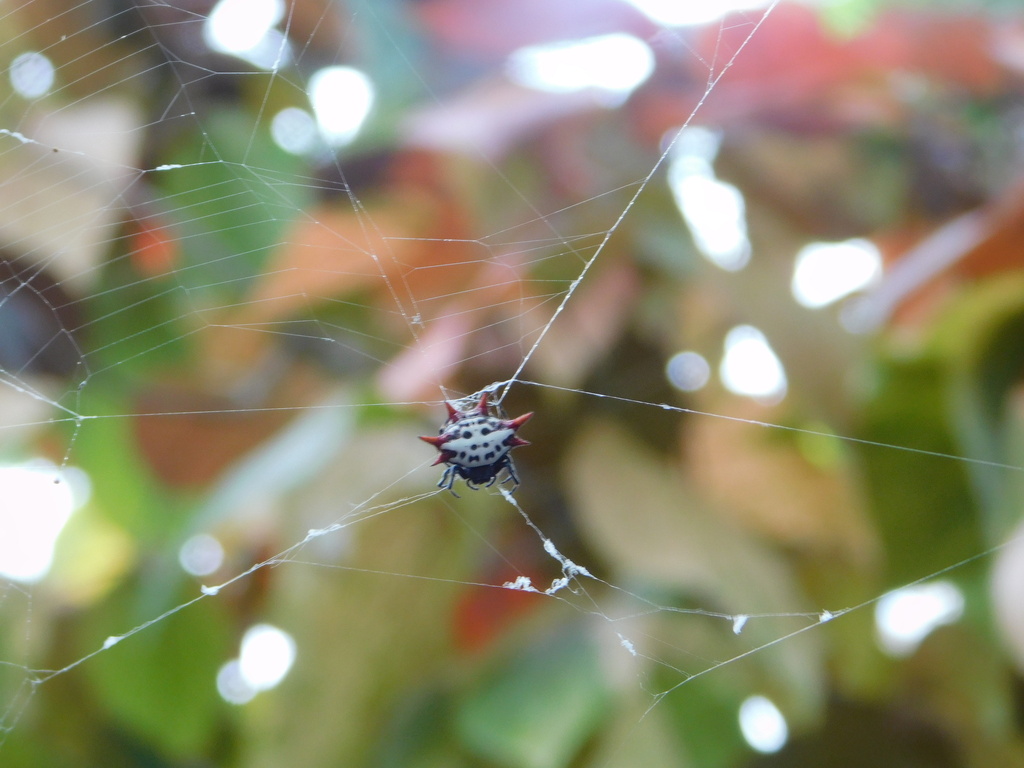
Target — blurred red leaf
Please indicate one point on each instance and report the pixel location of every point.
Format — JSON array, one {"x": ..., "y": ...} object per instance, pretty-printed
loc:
[
  {"x": 492, "y": 29},
  {"x": 795, "y": 73},
  {"x": 923, "y": 270},
  {"x": 153, "y": 249},
  {"x": 482, "y": 615},
  {"x": 188, "y": 442}
]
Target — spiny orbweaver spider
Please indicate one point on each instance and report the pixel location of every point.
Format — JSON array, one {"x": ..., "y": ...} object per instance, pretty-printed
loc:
[{"x": 475, "y": 445}]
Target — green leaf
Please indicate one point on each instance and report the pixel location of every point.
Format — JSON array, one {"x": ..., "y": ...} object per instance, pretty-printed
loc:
[
  {"x": 983, "y": 339},
  {"x": 123, "y": 488},
  {"x": 539, "y": 709},
  {"x": 160, "y": 683},
  {"x": 420, "y": 734},
  {"x": 706, "y": 714},
  {"x": 921, "y": 502}
]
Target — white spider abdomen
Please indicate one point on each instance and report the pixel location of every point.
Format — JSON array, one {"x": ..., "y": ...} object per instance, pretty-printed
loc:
[{"x": 478, "y": 441}]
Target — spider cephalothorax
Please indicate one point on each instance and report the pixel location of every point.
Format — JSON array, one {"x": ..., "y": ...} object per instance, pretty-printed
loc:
[{"x": 475, "y": 445}]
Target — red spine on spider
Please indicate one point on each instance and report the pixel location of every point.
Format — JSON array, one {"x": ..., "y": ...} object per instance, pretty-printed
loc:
[{"x": 476, "y": 446}]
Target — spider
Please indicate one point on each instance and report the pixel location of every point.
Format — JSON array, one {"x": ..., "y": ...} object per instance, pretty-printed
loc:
[{"x": 476, "y": 446}]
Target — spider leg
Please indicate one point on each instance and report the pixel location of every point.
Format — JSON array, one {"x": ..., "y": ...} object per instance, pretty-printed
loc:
[
  {"x": 510, "y": 473},
  {"x": 448, "y": 480}
]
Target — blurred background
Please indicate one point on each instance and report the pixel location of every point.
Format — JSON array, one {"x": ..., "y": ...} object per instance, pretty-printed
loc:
[{"x": 756, "y": 268}]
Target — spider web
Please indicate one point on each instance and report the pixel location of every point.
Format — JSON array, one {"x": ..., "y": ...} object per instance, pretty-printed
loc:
[{"x": 227, "y": 339}]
